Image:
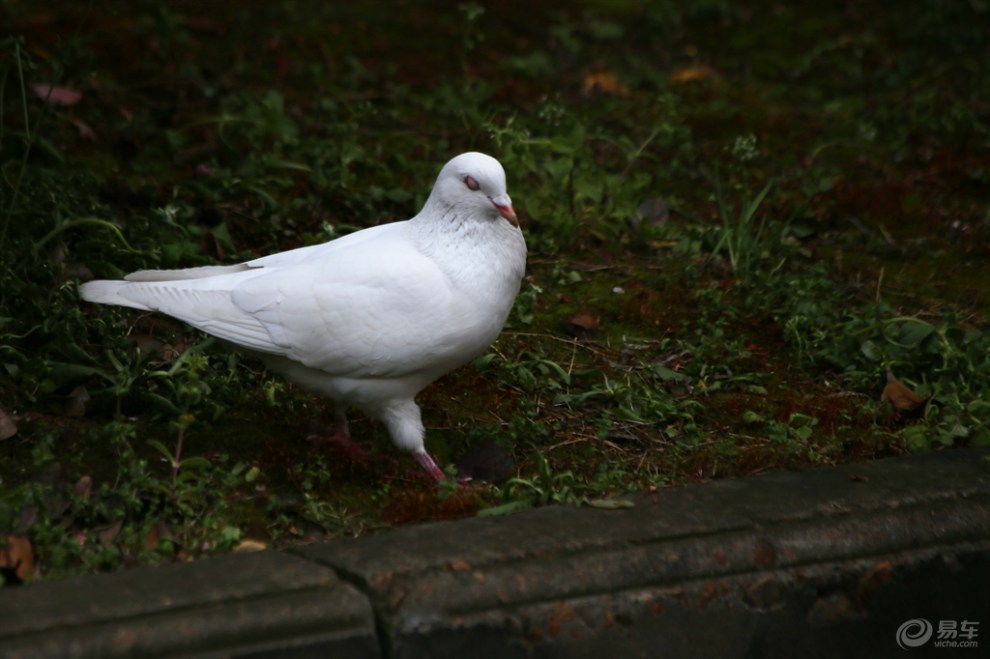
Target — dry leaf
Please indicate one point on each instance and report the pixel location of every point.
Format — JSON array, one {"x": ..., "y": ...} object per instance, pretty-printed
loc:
[
  {"x": 108, "y": 534},
  {"x": 8, "y": 427},
  {"x": 249, "y": 545},
  {"x": 694, "y": 73},
  {"x": 159, "y": 531},
  {"x": 76, "y": 403},
  {"x": 83, "y": 487},
  {"x": 611, "y": 504},
  {"x": 147, "y": 344},
  {"x": 603, "y": 83},
  {"x": 85, "y": 132},
  {"x": 899, "y": 395},
  {"x": 652, "y": 212},
  {"x": 582, "y": 324},
  {"x": 172, "y": 352},
  {"x": 62, "y": 96},
  {"x": 586, "y": 320},
  {"x": 17, "y": 556}
]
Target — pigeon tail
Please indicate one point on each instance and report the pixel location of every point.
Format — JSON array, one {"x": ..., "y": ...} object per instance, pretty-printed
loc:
[{"x": 105, "y": 291}]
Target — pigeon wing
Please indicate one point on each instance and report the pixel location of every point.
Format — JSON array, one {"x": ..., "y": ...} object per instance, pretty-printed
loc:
[{"x": 368, "y": 313}]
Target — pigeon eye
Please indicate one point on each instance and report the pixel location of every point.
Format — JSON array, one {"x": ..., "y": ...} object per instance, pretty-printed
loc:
[{"x": 471, "y": 183}]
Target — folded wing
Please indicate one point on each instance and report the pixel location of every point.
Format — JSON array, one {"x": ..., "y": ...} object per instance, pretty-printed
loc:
[{"x": 368, "y": 307}]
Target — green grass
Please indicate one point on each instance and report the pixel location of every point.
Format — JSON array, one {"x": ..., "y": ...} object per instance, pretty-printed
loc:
[{"x": 754, "y": 215}]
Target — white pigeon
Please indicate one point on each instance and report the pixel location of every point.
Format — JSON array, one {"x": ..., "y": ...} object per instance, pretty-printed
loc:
[{"x": 370, "y": 319}]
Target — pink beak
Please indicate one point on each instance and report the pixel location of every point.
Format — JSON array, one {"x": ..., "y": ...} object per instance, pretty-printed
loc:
[
  {"x": 504, "y": 206},
  {"x": 427, "y": 463}
]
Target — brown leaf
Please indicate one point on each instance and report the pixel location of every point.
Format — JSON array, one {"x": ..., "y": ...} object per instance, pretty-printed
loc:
[
  {"x": 108, "y": 534},
  {"x": 84, "y": 486},
  {"x": 17, "y": 556},
  {"x": 582, "y": 324},
  {"x": 159, "y": 531},
  {"x": 172, "y": 352},
  {"x": 249, "y": 545},
  {"x": 871, "y": 582},
  {"x": 147, "y": 344},
  {"x": 76, "y": 403},
  {"x": 8, "y": 427},
  {"x": 611, "y": 504},
  {"x": 85, "y": 131},
  {"x": 694, "y": 73},
  {"x": 603, "y": 83},
  {"x": 899, "y": 395}
]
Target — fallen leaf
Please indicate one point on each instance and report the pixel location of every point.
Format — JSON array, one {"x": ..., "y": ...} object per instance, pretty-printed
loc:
[
  {"x": 873, "y": 581},
  {"x": 108, "y": 534},
  {"x": 652, "y": 213},
  {"x": 582, "y": 324},
  {"x": 148, "y": 344},
  {"x": 603, "y": 83},
  {"x": 172, "y": 352},
  {"x": 85, "y": 132},
  {"x": 53, "y": 95},
  {"x": 250, "y": 546},
  {"x": 156, "y": 533},
  {"x": 83, "y": 487},
  {"x": 899, "y": 395},
  {"x": 16, "y": 557},
  {"x": 76, "y": 403},
  {"x": 694, "y": 73},
  {"x": 8, "y": 427},
  {"x": 611, "y": 504}
]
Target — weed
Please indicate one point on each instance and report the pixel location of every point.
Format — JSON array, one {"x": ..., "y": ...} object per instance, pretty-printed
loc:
[{"x": 743, "y": 238}]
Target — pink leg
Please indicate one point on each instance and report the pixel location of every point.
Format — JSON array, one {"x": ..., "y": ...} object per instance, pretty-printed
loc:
[{"x": 342, "y": 438}]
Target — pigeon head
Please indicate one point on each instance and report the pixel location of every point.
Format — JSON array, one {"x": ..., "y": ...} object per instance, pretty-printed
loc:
[{"x": 472, "y": 184}]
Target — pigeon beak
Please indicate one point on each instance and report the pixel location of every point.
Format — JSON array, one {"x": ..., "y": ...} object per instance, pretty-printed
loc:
[
  {"x": 427, "y": 463},
  {"x": 503, "y": 205}
]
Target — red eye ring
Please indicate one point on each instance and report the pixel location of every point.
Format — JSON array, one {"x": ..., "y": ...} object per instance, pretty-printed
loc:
[{"x": 471, "y": 183}]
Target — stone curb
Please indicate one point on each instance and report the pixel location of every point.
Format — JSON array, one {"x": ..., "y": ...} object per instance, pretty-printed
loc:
[{"x": 828, "y": 562}]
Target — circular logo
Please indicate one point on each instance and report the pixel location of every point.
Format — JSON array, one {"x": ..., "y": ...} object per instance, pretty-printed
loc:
[{"x": 914, "y": 633}]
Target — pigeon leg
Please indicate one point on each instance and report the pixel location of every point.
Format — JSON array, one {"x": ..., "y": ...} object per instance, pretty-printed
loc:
[
  {"x": 341, "y": 438},
  {"x": 429, "y": 465}
]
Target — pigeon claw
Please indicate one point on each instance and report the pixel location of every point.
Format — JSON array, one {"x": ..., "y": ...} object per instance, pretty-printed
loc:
[{"x": 342, "y": 440}]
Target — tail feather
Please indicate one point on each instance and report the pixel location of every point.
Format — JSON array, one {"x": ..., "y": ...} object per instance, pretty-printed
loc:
[
  {"x": 187, "y": 273},
  {"x": 103, "y": 291}
]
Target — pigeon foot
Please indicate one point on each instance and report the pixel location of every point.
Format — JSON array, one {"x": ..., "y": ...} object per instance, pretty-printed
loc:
[{"x": 341, "y": 438}]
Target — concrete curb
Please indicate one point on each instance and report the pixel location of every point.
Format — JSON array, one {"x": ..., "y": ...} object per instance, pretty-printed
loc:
[{"x": 824, "y": 563}]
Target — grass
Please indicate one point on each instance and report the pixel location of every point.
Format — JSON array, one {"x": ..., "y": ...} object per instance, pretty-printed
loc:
[{"x": 738, "y": 218}]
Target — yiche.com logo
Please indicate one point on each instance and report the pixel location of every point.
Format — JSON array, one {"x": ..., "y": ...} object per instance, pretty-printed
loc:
[{"x": 914, "y": 633}]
